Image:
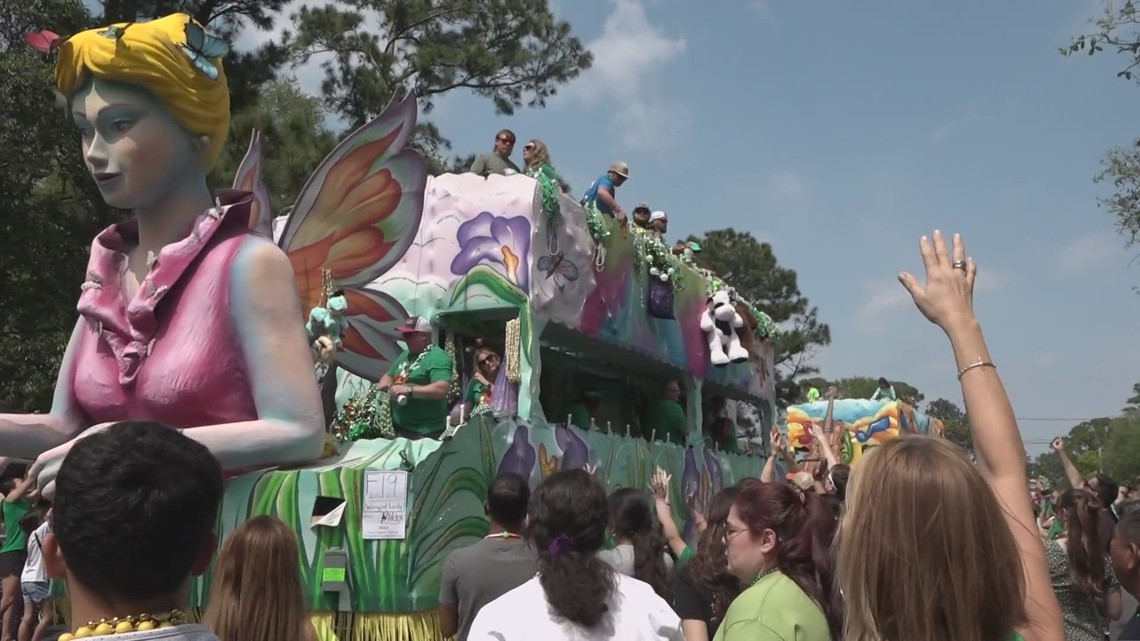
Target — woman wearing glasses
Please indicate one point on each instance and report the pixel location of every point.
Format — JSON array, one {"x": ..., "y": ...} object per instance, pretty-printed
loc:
[
  {"x": 778, "y": 540},
  {"x": 477, "y": 396}
]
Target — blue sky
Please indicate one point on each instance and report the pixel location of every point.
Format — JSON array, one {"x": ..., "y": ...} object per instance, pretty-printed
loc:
[{"x": 840, "y": 133}]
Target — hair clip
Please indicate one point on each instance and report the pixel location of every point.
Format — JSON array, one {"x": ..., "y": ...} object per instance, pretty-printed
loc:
[
  {"x": 115, "y": 32},
  {"x": 44, "y": 41},
  {"x": 202, "y": 48}
]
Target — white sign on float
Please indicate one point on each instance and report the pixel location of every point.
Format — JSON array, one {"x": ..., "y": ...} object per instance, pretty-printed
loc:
[{"x": 385, "y": 505}]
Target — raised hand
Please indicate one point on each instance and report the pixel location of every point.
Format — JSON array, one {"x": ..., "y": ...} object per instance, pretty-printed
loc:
[
  {"x": 1058, "y": 444},
  {"x": 947, "y": 299}
]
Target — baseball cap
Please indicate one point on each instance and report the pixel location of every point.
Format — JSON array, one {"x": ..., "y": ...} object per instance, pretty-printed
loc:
[
  {"x": 414, "y": 324},
  {"x": 620, "y": 168},
  {"x": 644, "y": 206},
  {"x": 658, "y": 215}
]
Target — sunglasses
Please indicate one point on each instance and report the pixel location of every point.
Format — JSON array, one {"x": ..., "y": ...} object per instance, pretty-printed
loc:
[
  {"x": 528, "y": 148},
  {"x": 509, "y": 141},
  {"x": 488, "y": 359}
]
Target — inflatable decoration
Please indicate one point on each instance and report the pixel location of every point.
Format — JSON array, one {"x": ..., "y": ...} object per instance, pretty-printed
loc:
[
  {"x": 720, "y": 323},
  {"x": 857, "y": 425}
]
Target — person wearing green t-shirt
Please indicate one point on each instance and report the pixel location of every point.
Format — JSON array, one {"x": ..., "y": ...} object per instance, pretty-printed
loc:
[
  {"x": 666, "y": 416},
  {"x": 13, "y": 553},
  {"x": 417, "y": 382},
  {"x": 581, "y": 413}
]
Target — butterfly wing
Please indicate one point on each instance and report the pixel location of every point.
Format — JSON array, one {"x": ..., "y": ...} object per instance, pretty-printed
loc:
[
  {"x": 546, "y": 265},
  {"x": 356, "y": 217},
  {"x": 568, "y": 270},
  {"x": 370, "y": 342},
  {"x": 248, "y": 178}
]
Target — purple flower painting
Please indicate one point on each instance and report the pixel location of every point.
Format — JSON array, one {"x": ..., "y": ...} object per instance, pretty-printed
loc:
[
  {"x": 520, "y": 455},
  {"x": 575, "y": 452},
  {"x": 488, "y": 239}
]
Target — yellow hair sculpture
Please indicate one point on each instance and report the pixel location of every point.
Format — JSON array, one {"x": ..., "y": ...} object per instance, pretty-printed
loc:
[{"x": 157, "y": 56}]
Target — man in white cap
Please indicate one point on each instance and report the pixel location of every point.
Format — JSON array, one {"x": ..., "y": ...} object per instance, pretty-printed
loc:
[
  {"x": 603, "y": 191},
  {"x": 658, "y": 225},
  {"x": 421, "y": 376}
]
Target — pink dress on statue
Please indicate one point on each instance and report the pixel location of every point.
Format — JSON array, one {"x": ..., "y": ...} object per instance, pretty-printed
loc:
[{"x": 172, "y": 353}]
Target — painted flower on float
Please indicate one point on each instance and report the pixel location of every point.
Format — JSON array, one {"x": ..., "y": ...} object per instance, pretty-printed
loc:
[{"x": 497, "y": 241}]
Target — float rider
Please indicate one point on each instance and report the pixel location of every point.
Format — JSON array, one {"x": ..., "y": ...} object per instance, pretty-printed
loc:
[
  {"x": 418, "y": 382},
  {"x": 582, "y": 412},
  {"x": 603, "y": 191}
]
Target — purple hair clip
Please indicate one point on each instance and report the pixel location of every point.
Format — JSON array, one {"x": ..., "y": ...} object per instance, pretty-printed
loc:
[{"x": 560, "y": 544}]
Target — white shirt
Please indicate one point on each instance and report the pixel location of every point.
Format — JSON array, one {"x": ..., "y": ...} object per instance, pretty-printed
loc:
[
  {"x": 523, "y": 614},
  {"x": 34, "y": 570},
  {"x": 621, "y": 558}
]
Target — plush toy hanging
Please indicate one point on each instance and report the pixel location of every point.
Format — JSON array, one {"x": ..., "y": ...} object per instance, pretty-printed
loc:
[{"x": 719, "y": 323}]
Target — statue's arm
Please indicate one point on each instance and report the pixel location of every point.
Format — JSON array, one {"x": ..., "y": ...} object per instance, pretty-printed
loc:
[
  {"x": 266, "y": 312},
  {"x": 26, "y": 436}
]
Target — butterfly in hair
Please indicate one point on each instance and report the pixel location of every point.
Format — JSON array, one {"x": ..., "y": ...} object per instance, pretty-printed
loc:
[
  {"x": 203, "y": 48},
  {"x": 44, "y": 41},
  {"x": 115, "y": 32}
]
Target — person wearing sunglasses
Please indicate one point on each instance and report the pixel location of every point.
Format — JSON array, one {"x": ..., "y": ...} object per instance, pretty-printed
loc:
[
  {"x": 499, "y": 160},
  {"x": 537, "y": 158}
]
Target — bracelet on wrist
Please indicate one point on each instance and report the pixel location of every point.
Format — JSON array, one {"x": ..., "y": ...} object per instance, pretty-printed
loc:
[{"x": 975, "y": 365}]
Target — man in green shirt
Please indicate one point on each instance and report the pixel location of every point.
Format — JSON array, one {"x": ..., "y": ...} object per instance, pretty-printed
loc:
[
  {"x": 582, "y": 412},
  {"x": 667, "y": 417},
  {"x": 417, "y": 382}
]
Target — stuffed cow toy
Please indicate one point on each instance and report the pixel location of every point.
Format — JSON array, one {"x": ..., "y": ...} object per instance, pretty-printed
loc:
[{"x": 719, "y": 323}]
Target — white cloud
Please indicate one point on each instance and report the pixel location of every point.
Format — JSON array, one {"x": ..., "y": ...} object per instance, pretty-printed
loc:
[
  {"x": 886, "y": 299},
  {"x": 629, "y": 58},
  {"x": 787, "y": 184},
  {"x": 884, "y": 302},
  {"x": 1089, "y": 253}
]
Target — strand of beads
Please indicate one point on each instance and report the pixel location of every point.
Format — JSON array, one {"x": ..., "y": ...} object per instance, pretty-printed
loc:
[{"x": 123, "y": 625}]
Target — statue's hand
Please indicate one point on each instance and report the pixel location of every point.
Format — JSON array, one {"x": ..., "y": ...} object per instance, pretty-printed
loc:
[{"x": 46, "y": 467}]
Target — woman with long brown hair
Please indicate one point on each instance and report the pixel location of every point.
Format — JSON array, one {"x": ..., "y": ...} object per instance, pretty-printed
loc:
[
  {"x": 778, "y": 541},
  {"x": 1081, "y": 571},
  {"x": 640, "y": 551},
  {"x": 931, "y": 547},
  {"x": 704, "y": 588},
  {"x": 260, "y": 561}
]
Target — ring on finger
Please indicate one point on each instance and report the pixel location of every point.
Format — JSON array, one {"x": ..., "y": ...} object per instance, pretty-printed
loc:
[{"x": 959, "y": 264}]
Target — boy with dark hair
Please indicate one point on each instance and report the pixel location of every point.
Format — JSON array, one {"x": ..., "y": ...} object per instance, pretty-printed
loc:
[
  {"x": 132, "y": 522},
  {"x": 480, "y": 573},
  {"x": 1125, "y": 552}
]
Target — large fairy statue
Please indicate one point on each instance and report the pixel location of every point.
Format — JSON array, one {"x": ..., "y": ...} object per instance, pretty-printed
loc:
[{"x": 186, "y": 316}]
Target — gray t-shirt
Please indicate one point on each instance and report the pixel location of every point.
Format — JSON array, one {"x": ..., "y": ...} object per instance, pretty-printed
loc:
[
  {"x": 493, "y": 164},
  {"x": 190, "y": 632},
  {"x": 480, "y": 573}
]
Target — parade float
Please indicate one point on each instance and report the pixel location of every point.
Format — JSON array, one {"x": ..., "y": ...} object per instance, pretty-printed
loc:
[
  {"x": 856, "y": 426},
  {"x": 574, "y": 300}
]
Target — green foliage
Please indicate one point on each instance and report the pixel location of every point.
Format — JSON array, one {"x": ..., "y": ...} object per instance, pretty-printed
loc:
[
  {"x": 1122, "y": 450},
  {"x": 293, "y": 137},
  {"x": 514, "y": 52},
  {"x": 751, "y": 267},
  {"x": 1084, "y": 444},
  {"x": 956, "y": 429},
  {"x": 53, "y": 208},
  {"x": 1118, "y": 28},
  {"x": 1133, "y": 406}
]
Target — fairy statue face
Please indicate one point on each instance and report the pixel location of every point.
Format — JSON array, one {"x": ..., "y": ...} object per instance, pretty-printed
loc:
[{"x": 132, "y": 146}]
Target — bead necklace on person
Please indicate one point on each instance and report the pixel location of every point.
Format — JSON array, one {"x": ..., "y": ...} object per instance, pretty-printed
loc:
[
  {"x": 503, "y": 535},
  {"x": 405, "y": 368},
  {"x": 764, "y": 574},
  {"x": 123, "y": 625}
]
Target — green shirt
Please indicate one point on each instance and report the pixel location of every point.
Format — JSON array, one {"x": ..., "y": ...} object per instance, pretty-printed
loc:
[
  {"x": 813, "y": 395},
  {"x": 774, "y": 609},
  {"x": 17, "y": 539},
  {"x": 579, "y": 416},
  {"x": 668, "y": 418},
  {"x": 475, "y": 392},
  {"x": 422, "y": 416}
]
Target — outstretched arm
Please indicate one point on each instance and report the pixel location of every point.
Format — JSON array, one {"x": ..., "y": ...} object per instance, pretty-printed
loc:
[
  {"x": 1076, "y": 479},
  {"x": 947, "y": 300},
  {"x": 26, "y": 436}
]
